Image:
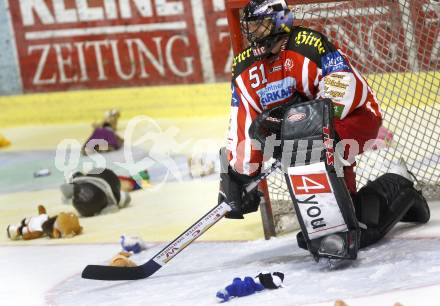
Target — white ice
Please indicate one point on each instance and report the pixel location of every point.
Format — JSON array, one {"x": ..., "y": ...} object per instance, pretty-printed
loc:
[{"x": 404, "y": 267}]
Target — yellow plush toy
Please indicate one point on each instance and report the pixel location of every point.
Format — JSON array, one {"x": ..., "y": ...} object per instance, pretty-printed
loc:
[
  {"x": 122, "y": 260},
  {"x": 63, "y": 225},
  {"x": 4, "y": 142}
]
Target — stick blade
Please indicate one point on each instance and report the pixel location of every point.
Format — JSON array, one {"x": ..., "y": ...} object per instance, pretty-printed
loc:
[{"x": 110, "y": 273}]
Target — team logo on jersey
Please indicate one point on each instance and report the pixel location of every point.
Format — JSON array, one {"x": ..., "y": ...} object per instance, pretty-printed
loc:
[
  {"x": 288, "y": 64},
  {"x": 277, "y": 91},
  {"x": 334, "y": 62},
  {"x": 234, "y": 99},
  {"x": 295, "y": 117}
]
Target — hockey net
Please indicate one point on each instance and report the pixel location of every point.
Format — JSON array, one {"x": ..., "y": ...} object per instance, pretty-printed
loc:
[{"x": 395, "y": 44}]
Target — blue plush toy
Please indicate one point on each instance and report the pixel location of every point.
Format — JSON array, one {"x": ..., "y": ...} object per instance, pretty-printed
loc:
[
  {"x": 239, "y": 288},
  {"x": 249, "y": 285},
  {"x": 132, "y": 244}
]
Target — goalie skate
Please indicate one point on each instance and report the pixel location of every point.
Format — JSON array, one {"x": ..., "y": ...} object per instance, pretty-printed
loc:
[
  {"x": 339, "y": 246},
  {"x": 332, "y": 246}
]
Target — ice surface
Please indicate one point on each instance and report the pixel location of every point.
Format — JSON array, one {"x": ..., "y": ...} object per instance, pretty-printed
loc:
[
  {"x": 403, "y": 267},
  {"x": 17, "y": 169},
  {"x": 195, "y": 275}
]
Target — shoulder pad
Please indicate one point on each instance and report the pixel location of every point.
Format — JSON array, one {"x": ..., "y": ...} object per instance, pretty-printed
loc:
[
  {"x": 241, "y": 61},
  {"x": 310, "y": 43}
]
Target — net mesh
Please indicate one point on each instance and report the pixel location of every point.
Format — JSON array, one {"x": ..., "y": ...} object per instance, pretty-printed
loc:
[{"x": 395, "y": 45}]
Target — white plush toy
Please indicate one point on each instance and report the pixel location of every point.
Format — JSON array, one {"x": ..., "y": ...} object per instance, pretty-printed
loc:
[{"x": 133, "y": 244}]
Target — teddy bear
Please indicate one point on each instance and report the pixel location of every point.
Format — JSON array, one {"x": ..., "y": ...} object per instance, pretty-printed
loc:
[
  {"x": 122, "y": 260},
  {"x": 96, "y": 192},
  {"x": 104, "y": 132},
  {"x": 63, "y": 225}
]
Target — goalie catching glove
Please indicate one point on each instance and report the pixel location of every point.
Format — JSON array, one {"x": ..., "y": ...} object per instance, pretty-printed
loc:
[{"x": 233, "y": 192}]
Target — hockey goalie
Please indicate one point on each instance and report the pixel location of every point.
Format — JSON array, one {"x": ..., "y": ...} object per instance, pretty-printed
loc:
[{"x": 295, "y": 96}]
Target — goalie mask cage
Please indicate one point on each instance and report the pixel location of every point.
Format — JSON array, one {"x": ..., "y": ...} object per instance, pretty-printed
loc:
[{"x": 395, "y": 45}]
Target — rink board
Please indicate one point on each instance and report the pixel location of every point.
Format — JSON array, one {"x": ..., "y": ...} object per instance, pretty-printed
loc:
[{"x": 167, "y": 101}]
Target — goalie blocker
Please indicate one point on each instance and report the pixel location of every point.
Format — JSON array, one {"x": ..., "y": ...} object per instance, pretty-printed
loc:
[{"x": 321, "y": 199}]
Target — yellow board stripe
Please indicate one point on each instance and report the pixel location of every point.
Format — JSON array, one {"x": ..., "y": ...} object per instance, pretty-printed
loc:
[
  {"x": 414, "y": 88},
  {"x": 89, "y": 105},
  {"x": 202, "y": 100}
]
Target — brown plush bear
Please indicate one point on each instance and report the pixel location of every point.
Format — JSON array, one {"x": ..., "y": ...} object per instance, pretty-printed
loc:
[
  {"x": 122, "y": 260},
  {"x": 62, "y": 225}
]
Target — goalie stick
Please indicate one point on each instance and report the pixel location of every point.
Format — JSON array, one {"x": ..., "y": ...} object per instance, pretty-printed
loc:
[{"x": 172, "y": 249}]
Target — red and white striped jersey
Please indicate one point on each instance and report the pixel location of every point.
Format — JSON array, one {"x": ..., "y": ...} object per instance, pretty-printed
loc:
[{"x": 308, "y": 64}]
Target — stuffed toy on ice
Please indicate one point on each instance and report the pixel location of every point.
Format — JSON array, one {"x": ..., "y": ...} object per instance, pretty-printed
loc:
[
  {"x": 199, "y": 167},
  {"x": 132, "y": 244},
  {"x": 96, "y": 192},
  {"x": 249, "y": 285},
  {"x": 122, "y": 259},
  {"x": 104, "y": 132},
  {"x": 111, "y": 118},
  {"x": 137, "y": 182},
  {"x": 4, "y": 142},
  {"x": 63, "y": 225}
]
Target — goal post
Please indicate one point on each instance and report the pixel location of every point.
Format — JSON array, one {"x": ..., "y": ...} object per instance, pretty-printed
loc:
[{"x": 395, "y": 44}]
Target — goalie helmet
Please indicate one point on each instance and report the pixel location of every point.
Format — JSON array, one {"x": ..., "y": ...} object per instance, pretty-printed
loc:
[{"x": 264, "y": 23}]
